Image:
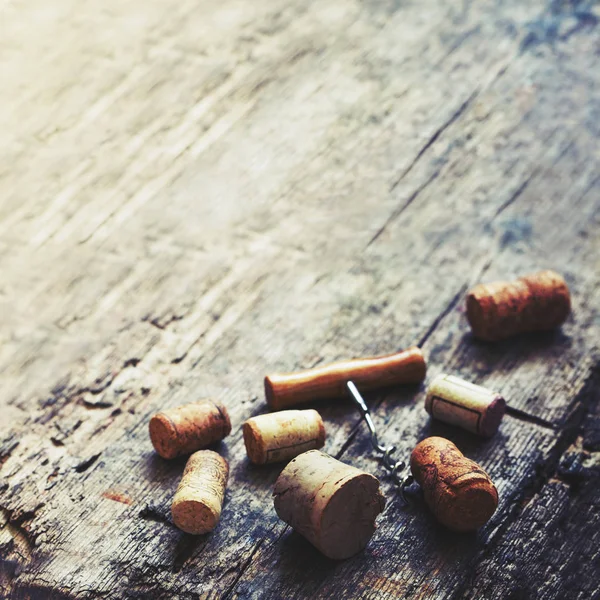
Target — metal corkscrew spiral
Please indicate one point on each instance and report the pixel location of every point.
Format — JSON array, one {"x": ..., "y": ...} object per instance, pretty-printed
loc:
[{"x": 386, "y": 452}]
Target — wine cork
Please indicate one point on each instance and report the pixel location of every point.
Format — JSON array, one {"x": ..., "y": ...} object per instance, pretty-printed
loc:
[
  {"x": 536, "y": 302},
  {"x": 465, "y": 404},
  {"x": 285, "y": 391},
  {"x": 333, "y": 505},
  {"x": 457, "y": 490},
  {"x": 196, "y": 507},
  {"x": 185, "y": 429},
  {"x": 283, "y": 435}
]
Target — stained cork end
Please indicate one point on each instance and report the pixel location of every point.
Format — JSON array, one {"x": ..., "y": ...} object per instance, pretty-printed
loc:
[
  {"x": 492, "y": 417},
  {"x": 188, "y": 428},
  {"x": 458, "y": 491},
  {"x": 226, "y": 420},
  {"x": 163, "y": 435},
  {"x": 254, "y": 442},
  {"x": 469, "y": 503}
]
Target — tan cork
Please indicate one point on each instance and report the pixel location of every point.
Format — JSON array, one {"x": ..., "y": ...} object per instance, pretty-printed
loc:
[
  {"x": 458, "y": 491},
  {"x": 281, "y": 436},
  {"x": 185, "y": 429},
  {"x": 458, "y": 402},
  {"x": 536, "y": 302},
  {"x": 333, "y": 505},
  {"x": 197, "y": 504}
]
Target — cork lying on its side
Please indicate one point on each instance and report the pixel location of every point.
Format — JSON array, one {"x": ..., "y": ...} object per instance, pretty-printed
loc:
[
  {"x": 199, "y": 498},
  {"x": 458, "y": 491},
  {"x": 535, "y": 302},
  {"x": 331, "y": 504},
  {"x": 283, "y": 435},
  {"x": 465, "y": 404},
  {"x": 185, "y": 429}
]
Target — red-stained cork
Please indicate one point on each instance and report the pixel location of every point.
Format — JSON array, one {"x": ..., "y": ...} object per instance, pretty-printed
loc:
[
  {"x": 458, "y": 491},
  {"x": 536, "y": 302},
  {"x": 185, "y": 429}
]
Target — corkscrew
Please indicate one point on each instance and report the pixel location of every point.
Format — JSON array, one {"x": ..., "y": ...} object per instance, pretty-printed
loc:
[{"x": 386, "y": 452}]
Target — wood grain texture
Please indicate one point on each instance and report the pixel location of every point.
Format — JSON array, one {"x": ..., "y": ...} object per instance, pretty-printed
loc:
[{"x": 195, "y": 195}]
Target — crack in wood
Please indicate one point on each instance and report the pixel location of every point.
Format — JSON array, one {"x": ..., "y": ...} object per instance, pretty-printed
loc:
[
  {"x": 515, "y": 195},
  {"x": 547, "y": 471},
  {"x": 396, "y": 213},
  {"x": 229, "y": 591},
  {"x": 87, "y": 463},
  {"x": 14, "y": 523},
  {"x": 161, "y": 324},
  {"x": 430, "y": 142},
  {"x": 6, "y": 449},
  {"x": 449, "y": 308},
  {"x": 568, "y": 434},
  {"x": 433, "y": 138}
]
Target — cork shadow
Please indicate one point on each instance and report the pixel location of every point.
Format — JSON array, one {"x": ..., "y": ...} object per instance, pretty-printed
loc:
[
  {"x": 260, "y": 476},
  {"x": 451, "y": 547},
  {"x": 187, "y": 547},
  {"x": 297, "y": 555},
  {"x": 419, "y": 528},
  {"x": 160, "y": 470},
  {"x": 470, "y": 444},
  {"x": 505, "y": 355}
]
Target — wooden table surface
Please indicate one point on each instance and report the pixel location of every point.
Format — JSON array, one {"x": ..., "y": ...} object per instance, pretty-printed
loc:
[{"x": 195, "y": 194}]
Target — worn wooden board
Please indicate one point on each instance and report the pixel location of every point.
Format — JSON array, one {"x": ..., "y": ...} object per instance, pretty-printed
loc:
[{"x": 193, "y": 196}]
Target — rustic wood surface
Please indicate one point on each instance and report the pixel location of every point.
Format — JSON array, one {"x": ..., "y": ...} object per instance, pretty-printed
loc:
[{"x": 196, "y": 194}]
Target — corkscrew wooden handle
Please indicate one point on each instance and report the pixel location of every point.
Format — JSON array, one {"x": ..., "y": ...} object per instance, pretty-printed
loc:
[{"x": 285, "y": 391}]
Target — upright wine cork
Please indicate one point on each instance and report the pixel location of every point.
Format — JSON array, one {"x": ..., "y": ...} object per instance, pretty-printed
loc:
[
  {"x": 283, "y": 435},
  {"x": 502, "y": 309},
  {"x": 465, "y": 404},
  {"x": 331, "y": 504},
  {"x": 457, "y": 490},
  {"x": 197, "y": 503},
  {"x": 285, "y": 391},
  {"x": 185, "y": 429}
]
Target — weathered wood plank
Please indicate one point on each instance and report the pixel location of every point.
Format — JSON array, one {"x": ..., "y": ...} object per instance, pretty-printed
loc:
[
  {"x": 409, "y": 555},
  {"x": 551, "y": 550},
  {"x": 272, "y": 187}
]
